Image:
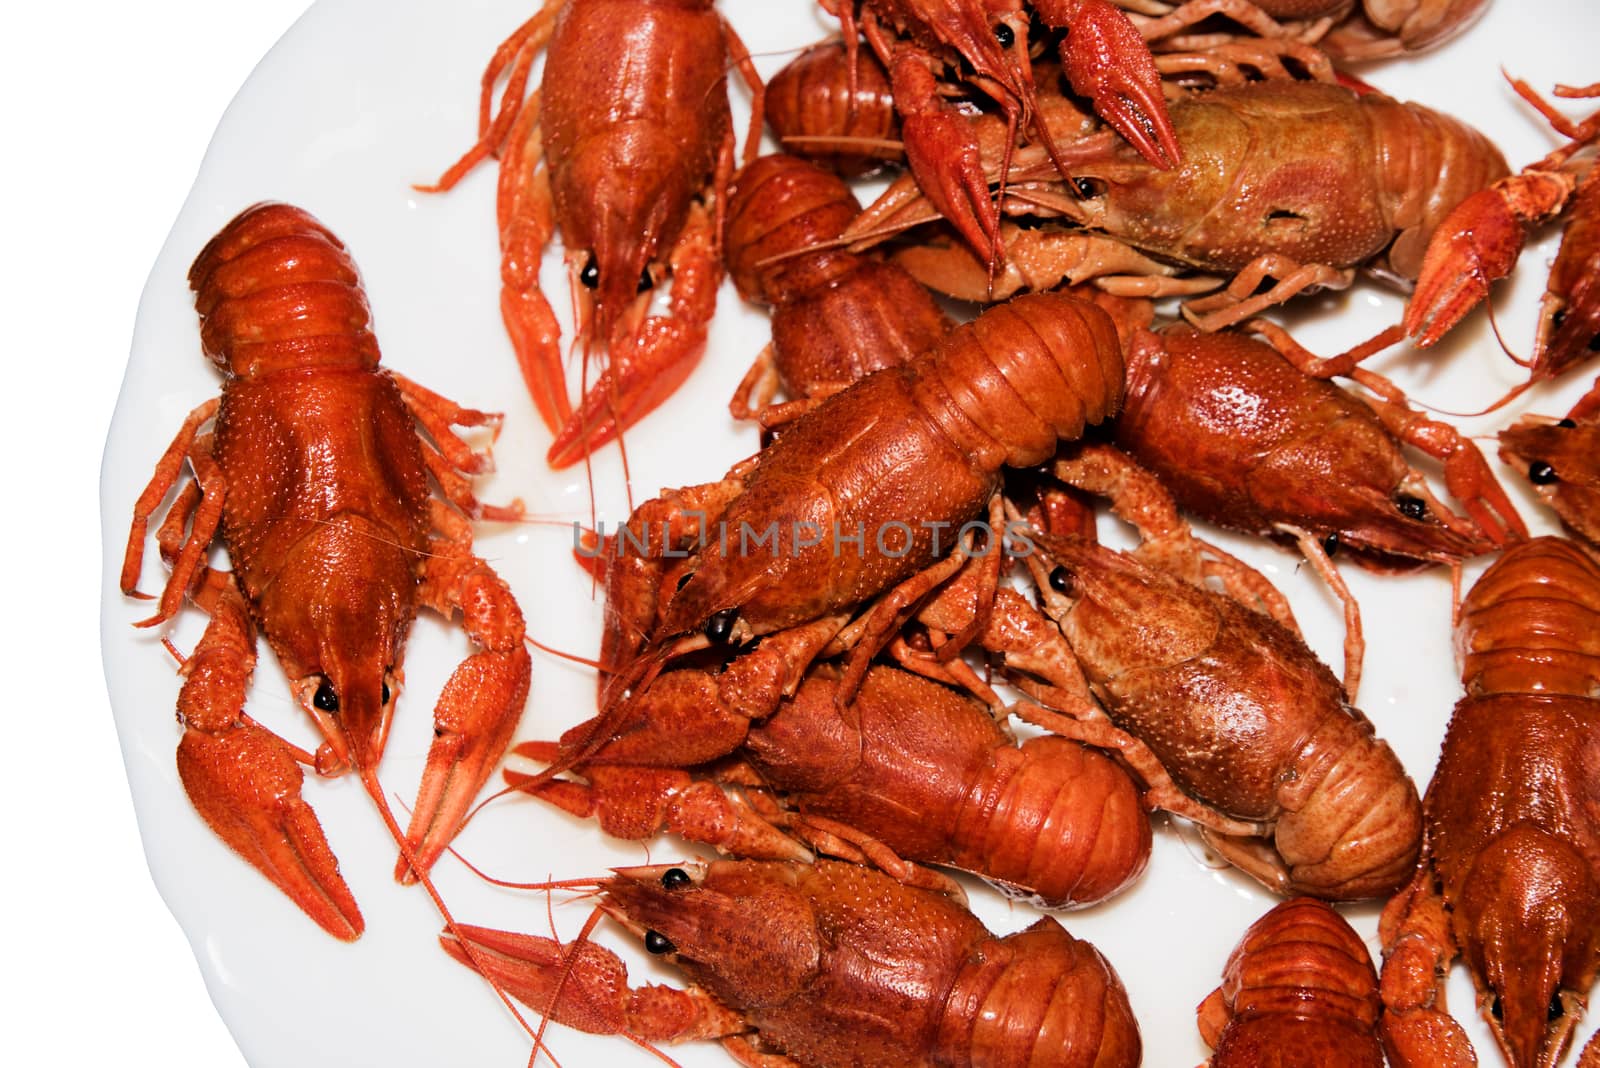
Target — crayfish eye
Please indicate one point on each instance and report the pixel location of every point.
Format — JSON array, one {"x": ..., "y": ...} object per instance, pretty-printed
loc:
[
  {"x": 673, "y": 878},
  {"x": 386, "y": 692},
  {"x": 1567, "y": 424},
  {"x": 1004, "y": 35},
  {"x": 645, "y": 281},
  {"x": 719, "y": 628},
  {"x": 1556, "y": 1008},
  {"x": 325, "y": 699},
  {"x": 1330, "y": 544},
  {"x": 590, "y": 275},
  {"x": 1412, "y": 507},
  {"x": 1088, "y": 188},
  {"x": 1495, "y": 1010},
  {"x": 1061, "y": 580},
  {"x": 1541, "y": 473},
  {"x": 658, "y": 943}
]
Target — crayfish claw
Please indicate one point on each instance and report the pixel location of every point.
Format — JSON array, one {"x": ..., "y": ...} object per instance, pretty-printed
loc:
[
  {"x": 1476, "y": 245},
  {"x": 246, "y": 786},
  {"x": 945, "y": 159},
  {"x": 474, "y": 719},
  {"x": 1106, "y": 59}
]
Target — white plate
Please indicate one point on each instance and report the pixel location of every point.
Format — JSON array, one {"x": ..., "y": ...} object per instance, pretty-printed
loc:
[{"x": 363, "y": 98}]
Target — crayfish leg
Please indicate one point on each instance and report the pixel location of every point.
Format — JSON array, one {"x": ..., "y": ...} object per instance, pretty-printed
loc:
[{"x": 1416, "y": 1028}]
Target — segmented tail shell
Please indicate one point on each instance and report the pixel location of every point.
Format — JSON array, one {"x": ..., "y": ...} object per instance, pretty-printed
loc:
[
  {"x": 276, "y": 289},
  {"x": 838, "y": 315},
  {"x": 1531, "y": 624},
  {"x": 811, "y": 98},
  {"x": 1025, "y": 376},
  {"x": 1038, "y": 997},
  {"x": 778, "y": 207},
  {"x": 1299, "y": 991},
  {"x": 1062, "y": 824}
]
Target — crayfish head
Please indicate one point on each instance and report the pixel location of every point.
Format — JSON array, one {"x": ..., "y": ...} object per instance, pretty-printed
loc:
[
  {"x": 626, "y": 208},
  {"x": 337, "y": 615},
  {"x": 1526, "y": 921},
  {"x": 1557, "y": 457},
  {"x": 1349, "y": 485},
  {"x": 743, "y": 929}
]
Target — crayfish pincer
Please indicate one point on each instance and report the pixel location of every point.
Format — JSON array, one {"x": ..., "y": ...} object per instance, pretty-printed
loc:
[
  {"x": 817, "y": 966},
  {"x": 1510, "y": 876},
  {"x": 316, "y": 478}
]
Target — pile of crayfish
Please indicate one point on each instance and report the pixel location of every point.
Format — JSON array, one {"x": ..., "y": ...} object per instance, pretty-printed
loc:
[{"x": 1036, "y": 553}]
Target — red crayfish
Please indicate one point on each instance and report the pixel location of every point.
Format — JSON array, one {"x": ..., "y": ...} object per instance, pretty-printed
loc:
[
  {"x": 632, "y": 126},
  {"x": 909, "y": 764},
  {"x": 825, "y": 966},
  {"x": 1285, "y": 186},
  {"x": 1558, "y": 456},
  {"x": 1231, "y": 709},
  {"x": 316, "y": 478},
  {"x": 849, "y": 504},
  {"x": 1509, "y": 876}
]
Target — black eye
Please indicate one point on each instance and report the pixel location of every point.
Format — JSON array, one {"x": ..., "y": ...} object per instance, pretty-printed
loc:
[
  {"x": 645, "y": 281},
  {"x": 1330, "y": 544},
  {"x": 1088, "y": 188},
  {"x": 1412, "y": 507},
  {"x": 658, "y": 943},
  {"x": 590, "y": 275},
  {"x": 325, "y": 699},
  {"x": 1004, "y": 35},
  {"x": 1061, "y": 580},
  {"x": 1559, "y": 319},
  {"x": 719, "y": 628},
  {"x": 1541, "y": 473},
  {"x": 1556, "y": 1008},
  {"x": 386, "y": 693},
  {"x": 1568, "y": 424},
  {"x": 673, "y": 878},
  {"x": 1494, "y": 1009}
]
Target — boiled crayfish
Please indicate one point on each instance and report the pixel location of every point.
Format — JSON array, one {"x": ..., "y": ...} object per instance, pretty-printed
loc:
[
  {"x": 1284, "y": 186},
  {"x": 626, "y": 149},
  {"x": 909, "y": 764},
  {"x": 316, "y": 478},
  {"x": 1510, "y": 875},
  {"x": 1241, "y": 718},
  {"x": 837, "y": 315},
  {"x": 891, "y": 463},
  {"x": 825, "y": 966}
]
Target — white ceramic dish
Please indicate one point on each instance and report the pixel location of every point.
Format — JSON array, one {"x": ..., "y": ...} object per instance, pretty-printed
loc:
[{"x": 363, "y": 98}]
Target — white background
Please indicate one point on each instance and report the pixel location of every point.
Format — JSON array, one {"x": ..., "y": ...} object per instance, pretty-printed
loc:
[{"x": 107, "y": 110}]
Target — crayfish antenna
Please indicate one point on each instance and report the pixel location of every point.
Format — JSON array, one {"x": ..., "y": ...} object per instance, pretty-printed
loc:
[{"x": 369, "y": 780}]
